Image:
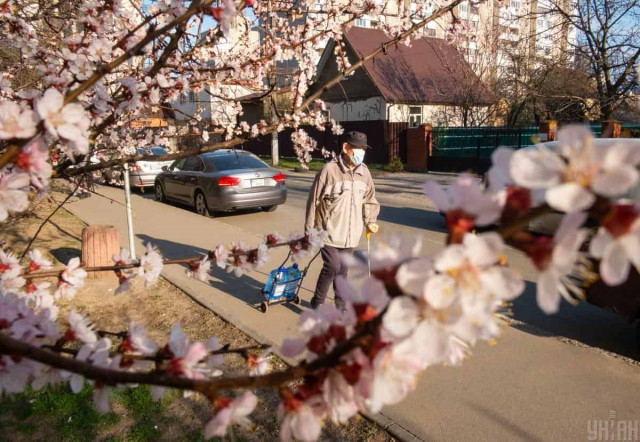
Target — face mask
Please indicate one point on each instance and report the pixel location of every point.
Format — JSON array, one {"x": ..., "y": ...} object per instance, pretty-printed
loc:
[{"x": 358, "y": 157}]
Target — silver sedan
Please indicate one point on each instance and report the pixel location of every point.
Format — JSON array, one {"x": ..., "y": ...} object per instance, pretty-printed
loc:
[{"x": 223, "y": 180}]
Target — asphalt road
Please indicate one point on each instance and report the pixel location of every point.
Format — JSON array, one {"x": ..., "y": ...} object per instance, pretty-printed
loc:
[{"x": 547, "y": 378}]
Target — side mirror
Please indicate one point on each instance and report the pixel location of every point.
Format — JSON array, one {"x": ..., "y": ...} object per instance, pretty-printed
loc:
[{"x": 164, "y": 168}]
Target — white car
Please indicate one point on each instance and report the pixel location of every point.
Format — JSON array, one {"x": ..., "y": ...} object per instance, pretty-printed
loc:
[
  {"x": 141, "y": 173},
  {"x": 144, "y": 173}
]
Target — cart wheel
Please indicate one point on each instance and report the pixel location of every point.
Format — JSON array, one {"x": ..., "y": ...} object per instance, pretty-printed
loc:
[
  {"x": 263, "y": 307},
  {"x": 296, "y": 299}
]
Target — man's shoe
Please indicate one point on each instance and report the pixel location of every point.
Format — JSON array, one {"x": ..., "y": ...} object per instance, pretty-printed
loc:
[{"x": 314, "y": 303}]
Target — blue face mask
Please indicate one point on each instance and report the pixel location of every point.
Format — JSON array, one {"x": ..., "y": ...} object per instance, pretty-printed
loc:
[{"x": 358, "y": 157}]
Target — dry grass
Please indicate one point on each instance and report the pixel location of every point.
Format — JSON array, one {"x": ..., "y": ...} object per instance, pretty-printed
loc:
[{"x": 60, "y": 415}]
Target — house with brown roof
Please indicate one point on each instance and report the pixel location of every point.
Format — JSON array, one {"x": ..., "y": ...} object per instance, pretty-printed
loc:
[{"x": 427, "y": 82}]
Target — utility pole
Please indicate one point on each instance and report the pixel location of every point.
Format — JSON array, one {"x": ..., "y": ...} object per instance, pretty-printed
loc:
[
  {"x": 275, "y": 159},
  {"x": 127, "y": 201}
]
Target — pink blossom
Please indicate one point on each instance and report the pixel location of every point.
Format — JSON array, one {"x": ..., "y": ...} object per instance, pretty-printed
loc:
[
  {"x": 617, "y": 243},
  {"x": 395, "y": 375},
  {"x": 303, "y": 245},
  {"x": 125, "y": 276},
  {"x": 138, "y": 342},
  {"x": 199, "y": 269},
  {"x": 212, "y": 345},
  {"x": 188, "y": 365},
  {"x": 14, "y": 193},
  {"x": 301, "y": 420},
  {"x": 465, "y": 195},
  {"x": 38, "y": 261},
  {"x": 577, "y": 169},
  {"x": 15, "y": 122},
  {"x": 260, "y": 364},
  {"x": 34, "y": 159},
  {"x": 13, "y": 375},
  {"x": 303, "y": 145},
  {"x": 292, "y": 347},
  {"x": 368, "y": 300},
  {"x": 80, "y": 328},
  {"x": 340, "y": 397},
  {"x": 187, "y": 356},
  {"x": 220, "y": 255},
  {"x": 231, "y": 411},
  {"x": 555, "y": 259},
  {"x": 150, "y": 265},
  {"x": 65, "y": 121},
  {"x": 95, "y": 353},
  {"x": 71, "y": 279},
  {"x": 9, "y": 264}
]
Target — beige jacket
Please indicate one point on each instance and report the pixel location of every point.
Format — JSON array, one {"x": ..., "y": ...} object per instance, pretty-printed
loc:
[{"x": 342, "y": 202}]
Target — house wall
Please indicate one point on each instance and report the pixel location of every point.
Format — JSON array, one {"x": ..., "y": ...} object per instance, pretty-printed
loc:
[
  {"x": 190, "y": 104},
  {"x": 369, "y": 109},
  {"x": 436, "y": 115}
]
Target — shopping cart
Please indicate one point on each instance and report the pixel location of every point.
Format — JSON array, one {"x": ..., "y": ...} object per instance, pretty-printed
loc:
[{"x": 283, "y": 284}]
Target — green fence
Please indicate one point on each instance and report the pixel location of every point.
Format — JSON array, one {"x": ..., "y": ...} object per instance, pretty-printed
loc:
[{"x": 479, "y": 142}]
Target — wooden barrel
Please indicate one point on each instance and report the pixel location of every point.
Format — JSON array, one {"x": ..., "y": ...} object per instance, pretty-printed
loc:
[{"x": 99, "y": 244}]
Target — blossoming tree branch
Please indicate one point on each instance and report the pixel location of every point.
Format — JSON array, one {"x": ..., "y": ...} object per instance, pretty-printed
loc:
[{"x": 80, "y": 73}]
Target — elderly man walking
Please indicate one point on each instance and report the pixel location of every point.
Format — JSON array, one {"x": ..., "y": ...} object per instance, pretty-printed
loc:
[{"x": 342, "y": 202}]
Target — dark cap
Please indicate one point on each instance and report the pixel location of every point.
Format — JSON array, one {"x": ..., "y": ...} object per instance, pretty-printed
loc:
[{"x": 356, "y": 139}]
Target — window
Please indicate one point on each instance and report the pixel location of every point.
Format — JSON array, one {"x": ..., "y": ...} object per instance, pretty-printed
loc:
[
  {"x": 362, "y": 23},
  {"x": 182, "y": 99},
  {"x": 235, "y": 161},
  {"x": 515, "y": 4},
  {"x": 192, "y": 96},
  {"x": 431, "y": 32},
  {"x": 463, "y": 9},
  {"x": 415, "y": 116},
  {"x": 193, "y": 164},
  {"x": 178, "y": 164}
]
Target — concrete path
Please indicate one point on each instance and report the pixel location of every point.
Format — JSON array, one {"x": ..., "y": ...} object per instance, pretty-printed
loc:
[{"x": 531, "y": 386}]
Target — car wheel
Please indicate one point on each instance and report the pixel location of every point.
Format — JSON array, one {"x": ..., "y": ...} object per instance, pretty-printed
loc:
[
  {"x": 201, "y": 204},
  {"x": 270, "y": 208},
  {"x": 159, "y": 193}
]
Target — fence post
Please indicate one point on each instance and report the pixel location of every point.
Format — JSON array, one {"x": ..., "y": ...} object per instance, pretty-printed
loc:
[
  {"x": 428, "y": 132},
  {"x": 611, "y": 129},
  {"x": 547, "y": 130}
]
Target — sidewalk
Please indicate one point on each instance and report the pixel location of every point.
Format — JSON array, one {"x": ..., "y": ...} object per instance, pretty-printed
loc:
[{"x": 527, "y": 387}]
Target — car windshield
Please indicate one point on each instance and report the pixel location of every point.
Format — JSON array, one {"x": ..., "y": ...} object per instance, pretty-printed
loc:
[
  {"x": 157, "y": 150},
  {"x": 236, "y": 161}
]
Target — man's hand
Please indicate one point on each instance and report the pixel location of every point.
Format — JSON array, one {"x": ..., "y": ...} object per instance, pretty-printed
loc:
[{"x": 372, "y": 228}]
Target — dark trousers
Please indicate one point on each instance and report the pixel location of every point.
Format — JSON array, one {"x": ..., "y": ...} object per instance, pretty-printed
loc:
[{"x": 332, "y": 268}]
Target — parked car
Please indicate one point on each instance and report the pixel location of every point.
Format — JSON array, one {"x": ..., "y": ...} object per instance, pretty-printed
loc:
[
  {"x": 141, "y": 173},
  {"x": 223, "y": 180}
]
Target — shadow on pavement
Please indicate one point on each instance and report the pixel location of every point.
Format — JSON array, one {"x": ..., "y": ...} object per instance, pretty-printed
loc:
[
  {"x": 418, "y": 218},
  {"x": 244, "y": 288},
  {"x": 584, "y": 323},
  {"x": 518, "y": 432}
]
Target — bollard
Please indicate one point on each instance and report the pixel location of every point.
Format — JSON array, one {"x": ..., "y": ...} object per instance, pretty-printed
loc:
[{"x": 99, "y": 244}]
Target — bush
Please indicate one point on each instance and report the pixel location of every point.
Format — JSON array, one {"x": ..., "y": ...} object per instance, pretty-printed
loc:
[{"x": 396, "y": 165}]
